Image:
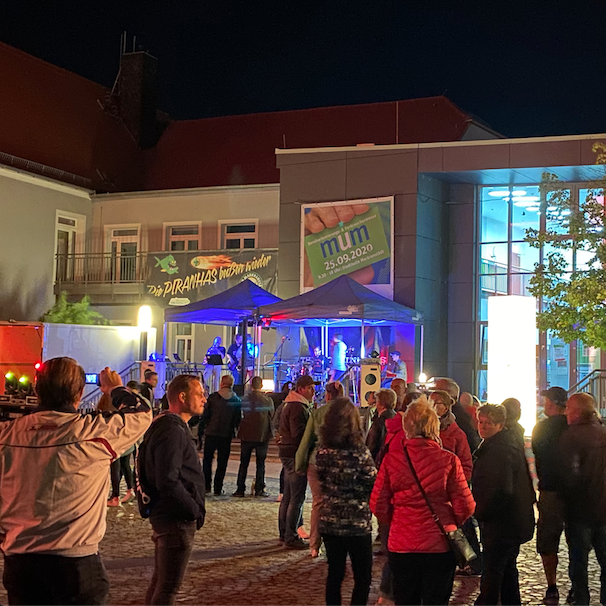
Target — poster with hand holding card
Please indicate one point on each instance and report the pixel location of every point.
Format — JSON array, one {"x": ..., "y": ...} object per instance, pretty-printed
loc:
[{"x": 352, "y": 237}]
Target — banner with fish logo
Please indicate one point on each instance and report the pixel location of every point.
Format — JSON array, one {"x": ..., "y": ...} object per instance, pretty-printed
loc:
[{"x": 183, "y": 277}]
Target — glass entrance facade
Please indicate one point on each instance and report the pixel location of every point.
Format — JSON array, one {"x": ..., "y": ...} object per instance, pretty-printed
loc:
[{"x": 506, "y": 264}]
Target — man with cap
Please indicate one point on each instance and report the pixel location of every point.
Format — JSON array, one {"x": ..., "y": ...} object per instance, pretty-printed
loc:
[
  {"x": 545, "y": 444},
  {"x": 293, "y": 420}
]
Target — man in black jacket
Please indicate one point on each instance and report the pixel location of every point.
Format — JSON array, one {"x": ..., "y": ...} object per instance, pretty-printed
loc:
[
  {"x": 219, "y": 422},
  {"x": 546, "y": 447},
  {"x": 583, "y": 451},
  {"x": 172, "y": 477},
  {"x": 386, "y": 401}
]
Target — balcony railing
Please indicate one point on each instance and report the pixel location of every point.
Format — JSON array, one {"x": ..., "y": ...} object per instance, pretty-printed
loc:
[{"x": 101, "y": 268}]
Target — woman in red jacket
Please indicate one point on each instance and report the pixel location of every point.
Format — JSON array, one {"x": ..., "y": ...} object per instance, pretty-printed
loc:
[
  {"x": 422, "y": 564},
  {"x": 452, "y": 436}
]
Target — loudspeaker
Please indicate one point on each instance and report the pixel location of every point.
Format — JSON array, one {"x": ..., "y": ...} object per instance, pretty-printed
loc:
[{"x": 370, "y": 378}]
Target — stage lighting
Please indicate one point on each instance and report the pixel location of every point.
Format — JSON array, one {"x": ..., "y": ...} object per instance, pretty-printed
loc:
[{"x": 11, "y": 384}]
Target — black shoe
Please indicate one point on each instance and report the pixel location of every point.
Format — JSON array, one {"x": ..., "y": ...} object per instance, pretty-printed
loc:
[
  {"x": 297, "y": 544},
  {"x": 262, "y": 495},
  {"x": 552, "y": 596},
  {"x": 218, "y": 493},
  {"x": 238, "y": 494}
]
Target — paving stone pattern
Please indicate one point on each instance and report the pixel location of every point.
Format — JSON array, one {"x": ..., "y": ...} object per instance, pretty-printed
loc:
[{"x": 238, "y": 561}]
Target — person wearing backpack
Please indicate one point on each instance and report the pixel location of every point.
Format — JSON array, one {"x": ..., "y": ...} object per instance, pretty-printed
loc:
[{"x": 171, "y": 486}]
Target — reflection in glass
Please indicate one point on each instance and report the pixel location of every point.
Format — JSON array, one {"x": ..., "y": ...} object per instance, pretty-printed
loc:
[
  {"x": 493, "y": 258},
  {"x": 495, "y": 214}
]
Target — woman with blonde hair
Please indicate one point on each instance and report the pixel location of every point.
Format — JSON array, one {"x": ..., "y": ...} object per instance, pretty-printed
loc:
[
  {"x": 346, "y": 472},
  {"x": 422, "y": 563}
]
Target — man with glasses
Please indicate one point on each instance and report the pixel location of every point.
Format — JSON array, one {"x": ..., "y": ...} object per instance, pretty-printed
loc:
[{"x": 293, "y": 420}]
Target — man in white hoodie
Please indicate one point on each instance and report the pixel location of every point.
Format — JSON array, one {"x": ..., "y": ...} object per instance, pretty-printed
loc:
[{"x": 54, "y": 473}]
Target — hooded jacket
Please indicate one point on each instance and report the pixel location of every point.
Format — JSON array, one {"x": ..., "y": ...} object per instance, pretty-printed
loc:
[
  {"x": 454, "y": 439},
  {"x": 171, "y": 473},
  {"x": 397, "y": 500},
  {"x": 378, "y": 431},
  {"x": 54, "y": 473},
  {"x": 222, "y": 412},
  {"x": 293, "y": 420},
  {"x": 502, "y": 488}
]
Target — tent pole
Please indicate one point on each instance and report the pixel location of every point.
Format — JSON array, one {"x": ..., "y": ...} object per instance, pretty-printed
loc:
[
  {"x": 258, "y": 345},
  {"x": 421, "y": 351}
]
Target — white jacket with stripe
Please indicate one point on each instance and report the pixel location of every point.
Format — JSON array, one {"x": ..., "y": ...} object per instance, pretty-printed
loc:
[{"x": 54, "y": 476}]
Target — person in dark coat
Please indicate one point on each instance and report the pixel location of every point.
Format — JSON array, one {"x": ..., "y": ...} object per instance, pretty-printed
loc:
[
  {"x": 583, "y": 452},
  {"x": 170, "y": 474},
  {"x": 346, "y": 473},
  {"x": 546, "y": 447},
  {"x": 514, "y": 412},
  {"x": 254, "y": 433},
  {"x": 220, "y": 420},
  {"x": 385, "y": 401},
  {"x": 504, "y": 495}
]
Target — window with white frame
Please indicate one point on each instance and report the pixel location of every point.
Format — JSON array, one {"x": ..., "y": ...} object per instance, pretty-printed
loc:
[
  {"x": 183, "y": 237},
  {"x": 239, "y": 235}
]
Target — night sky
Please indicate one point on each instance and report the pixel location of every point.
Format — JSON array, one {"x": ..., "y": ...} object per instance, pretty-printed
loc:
[{"x": 525, "y": 70}]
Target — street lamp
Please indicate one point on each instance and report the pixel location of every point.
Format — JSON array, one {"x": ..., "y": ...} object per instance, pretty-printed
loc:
[{"x": 144, "y": 322}]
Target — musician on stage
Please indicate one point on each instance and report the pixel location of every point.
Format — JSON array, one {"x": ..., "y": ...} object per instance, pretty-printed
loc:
[
  {"x": 319, "y": 364},
  {"x": 396, "y": 369},
  {"x": 339, "y": 352},
  {"x": 234, "y": 359},
  {"x": 214, "y": 365}
]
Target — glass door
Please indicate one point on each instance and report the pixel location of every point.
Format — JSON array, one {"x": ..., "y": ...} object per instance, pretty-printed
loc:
[{"x": 124, "y": 244}]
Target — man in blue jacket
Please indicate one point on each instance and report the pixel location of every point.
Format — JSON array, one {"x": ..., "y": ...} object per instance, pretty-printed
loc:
[{"x": 171, "y": 476}]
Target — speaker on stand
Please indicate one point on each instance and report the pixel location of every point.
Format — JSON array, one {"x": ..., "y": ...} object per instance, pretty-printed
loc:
[{"x": 370, "y": 378}]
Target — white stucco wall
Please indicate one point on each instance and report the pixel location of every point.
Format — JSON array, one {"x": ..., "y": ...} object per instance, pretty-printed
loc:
[{"x": 28, "y": 239}]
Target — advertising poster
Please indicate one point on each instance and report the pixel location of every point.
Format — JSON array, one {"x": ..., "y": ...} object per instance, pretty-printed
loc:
[
  {"x": 353, "y": 238},
  {"x": 180, "y": 278}
]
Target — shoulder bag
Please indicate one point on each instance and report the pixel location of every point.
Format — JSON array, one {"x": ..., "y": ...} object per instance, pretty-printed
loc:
[{"x": 457, "y": 542}]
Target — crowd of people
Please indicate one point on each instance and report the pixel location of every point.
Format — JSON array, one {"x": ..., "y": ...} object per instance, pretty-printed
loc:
[{"x": 425, "y": 462}]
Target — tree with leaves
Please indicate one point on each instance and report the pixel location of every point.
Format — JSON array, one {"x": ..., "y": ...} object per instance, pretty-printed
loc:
[
  {"x": 570, "y": 279},
  {"x": 63, "y": 312}
]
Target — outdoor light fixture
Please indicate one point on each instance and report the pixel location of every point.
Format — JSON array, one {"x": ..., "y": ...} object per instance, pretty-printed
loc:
[
  {"x": 512, "y": 354},
  {"x": 144, "y": 317},
  {"x": 422, "y": 378}
]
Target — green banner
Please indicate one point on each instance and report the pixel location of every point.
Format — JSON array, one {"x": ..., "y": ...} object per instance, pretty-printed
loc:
[{"x": 359, "y": 246}]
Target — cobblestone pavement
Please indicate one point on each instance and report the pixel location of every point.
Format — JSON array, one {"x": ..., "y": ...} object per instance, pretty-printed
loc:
[{"x": 237, "y": 559}]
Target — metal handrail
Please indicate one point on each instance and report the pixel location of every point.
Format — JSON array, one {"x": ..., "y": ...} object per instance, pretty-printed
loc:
[
  {"x": 101, "y": 268},
  {"x": 595, "y": 384},
  {"x": 586, "y": 379}
]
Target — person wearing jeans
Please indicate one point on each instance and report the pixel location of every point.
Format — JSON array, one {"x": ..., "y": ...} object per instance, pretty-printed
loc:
[
  {"x": 170, "y": 475},
  {"x": 293, "y": 419},
  {"x": 254, "y": 433},
  {"x": 219, "y": 422},
  {"x": 347, "y": 472}
]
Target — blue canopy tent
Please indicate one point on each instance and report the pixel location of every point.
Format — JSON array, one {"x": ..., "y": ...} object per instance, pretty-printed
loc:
[
  {"x": 232, "y": 307},
  {"x": 228, "y": 308},
  {"x": 342, "y": 302}
]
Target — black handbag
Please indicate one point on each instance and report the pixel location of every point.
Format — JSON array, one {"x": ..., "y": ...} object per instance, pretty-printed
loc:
[{"x": 457, "y": 541}]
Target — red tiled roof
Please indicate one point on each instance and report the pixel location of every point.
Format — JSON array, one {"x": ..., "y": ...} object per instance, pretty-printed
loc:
[
  {"x": 53, "y": 117},
  {"x": 240, "y": 149}
]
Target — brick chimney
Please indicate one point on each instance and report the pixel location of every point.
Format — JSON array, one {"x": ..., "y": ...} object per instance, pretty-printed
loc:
[{"x": 138, "y": 96}]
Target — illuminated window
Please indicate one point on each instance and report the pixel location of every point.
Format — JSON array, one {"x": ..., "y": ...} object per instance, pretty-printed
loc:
[{"x": 183, "y": 237}]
